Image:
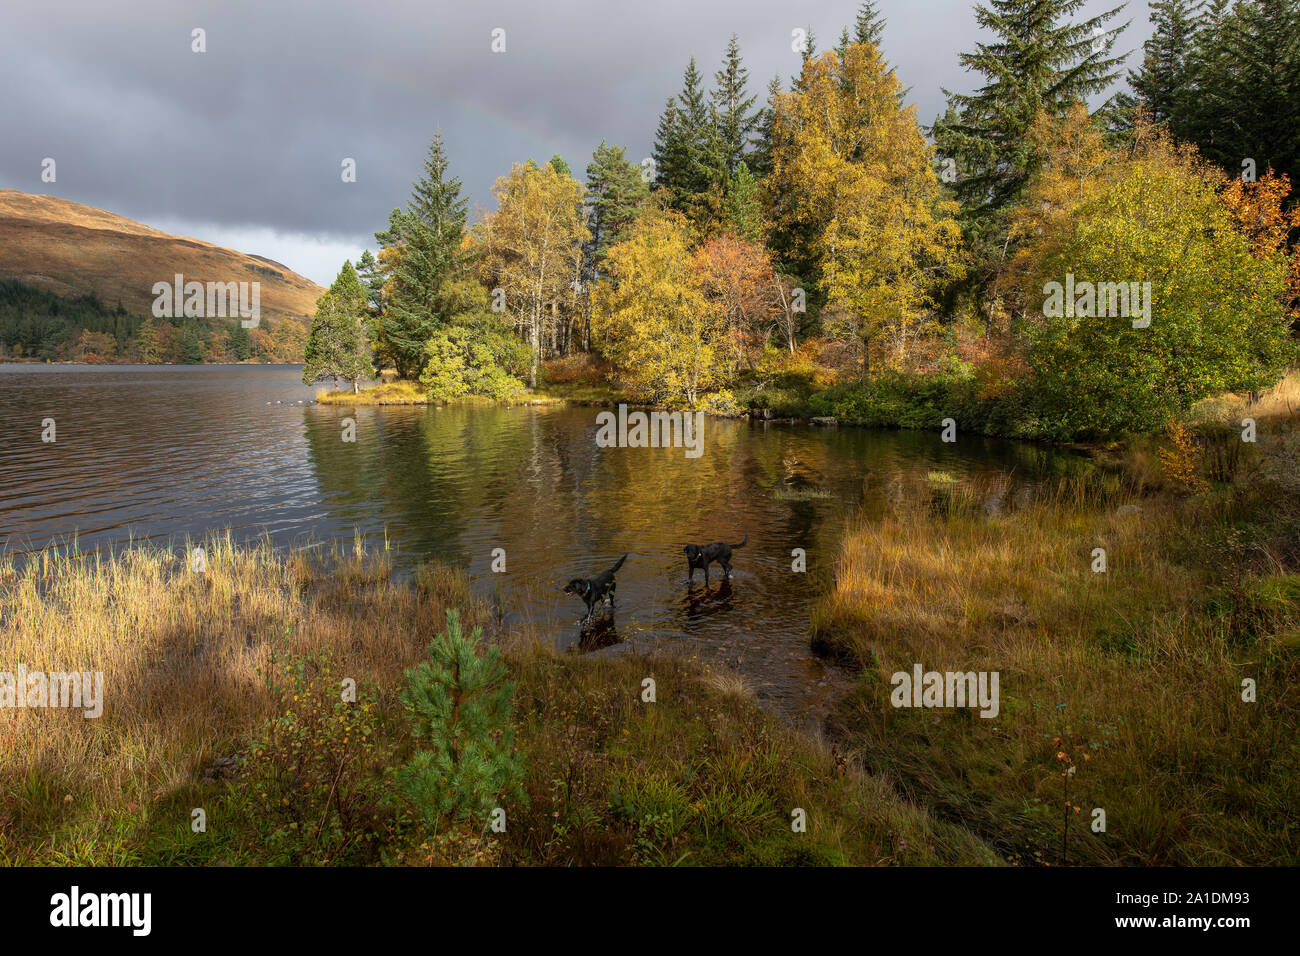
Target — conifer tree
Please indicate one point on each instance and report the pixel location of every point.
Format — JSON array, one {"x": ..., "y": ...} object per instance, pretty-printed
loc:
[
  {"x": 1162, "y": 82},
  {"x": 432, "y": 253},
  {"x": 615, "y": 193},
  {"x": 1039, "y": 62},
  {"x": 146, "y": 343},
  {"x": 1245, "y": 75},
  {"x": 733, "y": 108},
  {"x": 685, "y": 142},
  {"x": 337, "y": 346},
  {"x": 459, "y": 706},
  {"x": 760, "y": 162},
  {"x": 743, "y": 208},
  {"x": 372, "y": 278}
]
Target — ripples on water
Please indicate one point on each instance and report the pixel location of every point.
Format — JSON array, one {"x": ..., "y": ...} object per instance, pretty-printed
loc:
[{"x": 155, "y": 454}]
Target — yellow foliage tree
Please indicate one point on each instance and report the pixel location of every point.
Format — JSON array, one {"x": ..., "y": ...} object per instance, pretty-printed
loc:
[
  {"x": 853, "y": 182},
  {"x": 666, "y": 339},
  {"x": 532, "y": 247},
  {"x": 1138, "y": 292}
]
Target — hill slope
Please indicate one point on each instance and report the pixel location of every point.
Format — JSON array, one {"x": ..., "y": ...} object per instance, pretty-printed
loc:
[{"x": 74, "y": 250}]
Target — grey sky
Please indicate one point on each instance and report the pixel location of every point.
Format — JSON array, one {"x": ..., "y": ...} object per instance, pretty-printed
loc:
[{"x": 242, "y": 145}]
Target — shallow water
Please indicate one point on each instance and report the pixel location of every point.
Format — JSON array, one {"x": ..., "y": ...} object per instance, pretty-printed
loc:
[{"x": 155, "y": 454}]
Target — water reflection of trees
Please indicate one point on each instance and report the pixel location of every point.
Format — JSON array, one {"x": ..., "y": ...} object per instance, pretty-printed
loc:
[{"x": 446, "y": 481}]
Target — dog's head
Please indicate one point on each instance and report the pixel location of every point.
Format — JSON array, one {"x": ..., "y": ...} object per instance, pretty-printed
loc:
[
  {"x": 693, "y": 552},
  {"x": 578, "y": 586}
]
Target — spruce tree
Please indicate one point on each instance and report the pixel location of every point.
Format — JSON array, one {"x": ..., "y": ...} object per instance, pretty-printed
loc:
[
  {"x": 1040, "y": 61},
  {"x": 742, "y": 207},
  {"x": 733, "y": 108},
  {"x": 1245, "y": 74},
  {"x": 809, "y": 51},
  {"x": 760, "y": 162},
  {"x": 432, "y": 230},
  {"x": 1162, "y": 81},
  {"x": 239, "y": 343},
  {"x": 372, "y": 278},
  {"x": 868, "y": 27},
  {"x": 685, "y": 143}
]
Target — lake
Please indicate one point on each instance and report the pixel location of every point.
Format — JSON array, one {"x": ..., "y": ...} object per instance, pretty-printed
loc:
[{"x": 157, "y": 453}]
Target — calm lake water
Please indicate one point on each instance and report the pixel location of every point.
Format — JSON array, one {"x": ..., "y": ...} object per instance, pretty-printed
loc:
[{"x": 155, "y": 454}]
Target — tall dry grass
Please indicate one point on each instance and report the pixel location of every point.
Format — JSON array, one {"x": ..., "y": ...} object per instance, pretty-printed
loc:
[
  {"x": 181, "y": 652},
  {"x": 1132, "y": 677},
  {"x": 701, "y": 775}
]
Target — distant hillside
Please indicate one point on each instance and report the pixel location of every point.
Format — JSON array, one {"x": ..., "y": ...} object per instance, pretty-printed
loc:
[{"x": 74, "y": 250}]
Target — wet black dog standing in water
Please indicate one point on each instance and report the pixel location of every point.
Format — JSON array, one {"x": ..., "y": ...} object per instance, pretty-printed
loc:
[
  {"x": 701, "y": 556},
  {"x": 597, "y": 589}
]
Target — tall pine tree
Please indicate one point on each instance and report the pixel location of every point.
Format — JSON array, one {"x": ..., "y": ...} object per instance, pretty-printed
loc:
[
  {"x": 734, "y": 109},
  {"x": 1040, "y": 62},
  {"x": 1162, "y": 83},
  {"x": 1245, "y": 72},
  {"x": 685, "y": 143},
  {"x": 432, "y": 253}
]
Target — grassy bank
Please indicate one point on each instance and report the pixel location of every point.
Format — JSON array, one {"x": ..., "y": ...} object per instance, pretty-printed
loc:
[
  {"x": 1121, "y": 690},
  {"x": 402, "y": 392},
  {"x": 222, "y": 694}
]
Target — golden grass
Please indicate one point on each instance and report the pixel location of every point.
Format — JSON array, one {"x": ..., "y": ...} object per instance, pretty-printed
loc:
[
  {"x": 181, "y": 652},
  {"x": 1280, "y": 401},
  {"x": 700, "y": 776},
  {"x": 1132, "y": 676}
]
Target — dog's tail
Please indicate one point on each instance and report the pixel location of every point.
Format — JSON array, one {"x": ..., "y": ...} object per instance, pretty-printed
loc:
[
  {"x": 618, "y": 565},
  {"x": 743, "y": 543}
]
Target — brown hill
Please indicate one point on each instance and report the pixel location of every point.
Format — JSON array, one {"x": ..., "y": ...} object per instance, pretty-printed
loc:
[{"x": 72, "y": 250}]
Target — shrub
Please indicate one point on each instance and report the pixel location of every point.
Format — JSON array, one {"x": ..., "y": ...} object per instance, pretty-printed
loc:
[{"x": 316, "y": 768}]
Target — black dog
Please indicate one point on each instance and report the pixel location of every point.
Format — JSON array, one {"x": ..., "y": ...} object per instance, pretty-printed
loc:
[
  {"x": 702, "y": 556},
  {"x": 597, "y": 589}
]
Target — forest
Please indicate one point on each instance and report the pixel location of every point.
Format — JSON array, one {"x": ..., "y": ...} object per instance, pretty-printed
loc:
[
  {"x": 823, "y": 252},
  {"x": 40, "y": 325}
]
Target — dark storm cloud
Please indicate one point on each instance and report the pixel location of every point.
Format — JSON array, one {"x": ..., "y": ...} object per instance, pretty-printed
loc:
[{"x": 251, "y": 133}]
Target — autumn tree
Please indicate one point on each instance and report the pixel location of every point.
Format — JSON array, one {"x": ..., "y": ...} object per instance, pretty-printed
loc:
[
  {"x": 652, "y": 319},
  {"x": 1214, "y": 319},
  {"x": 146, "y": 343},
  {"x": 532, "y": 249},
  {"x": 1262, "y": 215},
  {"x": 475, "y": 352},
  {"x": 290, "y": 340},
  {"x": 857, "y": 203},
  {"x": 616, "y": 191},
  {"x": 736, "y": 277}
]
